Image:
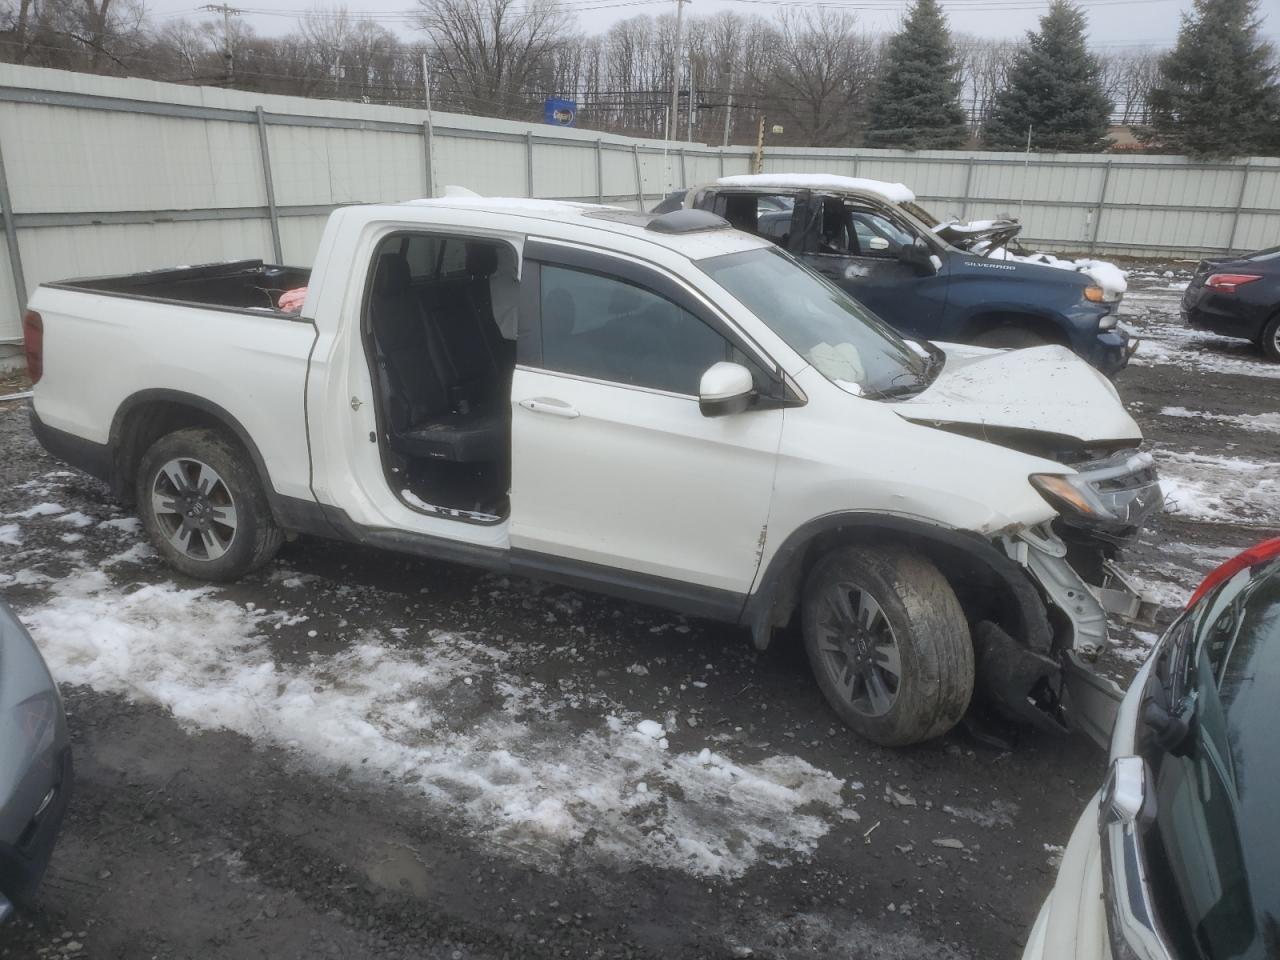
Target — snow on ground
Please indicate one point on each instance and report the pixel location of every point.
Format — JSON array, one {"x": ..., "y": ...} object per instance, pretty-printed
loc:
[
  {"x": 444, "y": 714},
  {"x": 1261, "y": 422},
  {"x": 1220, "y": 489}
]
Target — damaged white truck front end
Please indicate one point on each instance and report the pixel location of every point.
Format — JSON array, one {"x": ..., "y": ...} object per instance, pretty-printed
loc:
[{"x": 1043, "y": 402}]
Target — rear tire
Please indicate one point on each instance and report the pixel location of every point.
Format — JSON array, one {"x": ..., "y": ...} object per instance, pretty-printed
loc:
[
  {"x": 888, "y": 644},
  {"x": 1016, "y": 338},
  {"x": 203, "y": 506},
  {"x": 1270, "y": 339}
]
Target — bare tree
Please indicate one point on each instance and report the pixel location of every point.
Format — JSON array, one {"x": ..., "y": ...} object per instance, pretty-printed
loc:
[
  {"x": 491, "y": 50},
  {"x": 984, "y": 71},
  {"x": 821, "y": 70},
  {"x": 1129, "y": 74}
]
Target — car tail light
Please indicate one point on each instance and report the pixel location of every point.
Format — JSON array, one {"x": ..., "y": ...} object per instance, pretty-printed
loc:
[
  {"x": 1228, "y": 282},
  {"x": 33, "y": 339},
  {"x": 1266, "y": 550}
]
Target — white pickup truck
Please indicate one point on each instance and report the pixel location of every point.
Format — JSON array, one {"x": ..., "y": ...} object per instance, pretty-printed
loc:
[{"x": 656, "y": 407}]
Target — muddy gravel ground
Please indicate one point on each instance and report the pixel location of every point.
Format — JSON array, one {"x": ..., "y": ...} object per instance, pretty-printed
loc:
[{"x": 355, "y": 754}]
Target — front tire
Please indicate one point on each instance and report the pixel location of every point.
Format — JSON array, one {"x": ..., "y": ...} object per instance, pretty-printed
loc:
[
  {"x": 203, "y": 507},
  {"x": 888, "y": 644}
]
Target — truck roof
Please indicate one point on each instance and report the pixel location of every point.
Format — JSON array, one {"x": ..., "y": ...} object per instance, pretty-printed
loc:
[
  {"x": 882, "y": 189},
  {"x": 694, "y": 237}
]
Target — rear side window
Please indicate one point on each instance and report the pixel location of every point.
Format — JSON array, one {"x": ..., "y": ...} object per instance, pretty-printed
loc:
[{"x": 607, "y": 329}]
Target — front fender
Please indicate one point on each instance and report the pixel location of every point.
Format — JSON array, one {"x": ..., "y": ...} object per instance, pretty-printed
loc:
[{"x": 965, "y": 556}]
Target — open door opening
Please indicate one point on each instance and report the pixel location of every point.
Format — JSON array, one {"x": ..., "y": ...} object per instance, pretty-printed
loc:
[{"x": 440, "y": 327}]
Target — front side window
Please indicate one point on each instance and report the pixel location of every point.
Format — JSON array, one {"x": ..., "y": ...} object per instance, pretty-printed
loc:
[
  {"x": 607, "y": 329},
  {"x": 878, "y": 236}
]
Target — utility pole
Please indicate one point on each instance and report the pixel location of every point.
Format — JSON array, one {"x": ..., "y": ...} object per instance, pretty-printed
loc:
[
  {"x": 673, "y": 130},
  {"x": 690, "y": 137},
  {"x": 430, "y": 133},
  {"x": 758, "y": 165},
  {"x": 728, "y": 111},
  {"x": 228, "y": 59}
]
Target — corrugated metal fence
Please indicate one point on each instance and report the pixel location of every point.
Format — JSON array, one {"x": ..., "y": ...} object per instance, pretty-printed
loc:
[{"x": 104, "y": 175}]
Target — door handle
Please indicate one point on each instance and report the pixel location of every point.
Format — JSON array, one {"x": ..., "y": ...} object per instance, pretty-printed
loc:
[{"x": 550, "y": 406}]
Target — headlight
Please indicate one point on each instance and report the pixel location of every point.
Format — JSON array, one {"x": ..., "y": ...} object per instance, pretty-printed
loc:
[
  {"x": 1095, "y": 294},
  {"x": 1060, "y": 492}
]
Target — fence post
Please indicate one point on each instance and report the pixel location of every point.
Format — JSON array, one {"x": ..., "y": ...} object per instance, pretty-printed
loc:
[
  {"x": 684, "y": 177},
  {"x": 265, "y": 151},
  {"x": 528, "y": 162},
  {"x": 599, "y": 170},
  {"x": 1235, "y": 219},
  {"x": 968, "y": 185},
  {"x": 1102, "y": 203},
  {"x": 635, "y": 152},
  {"x": 722, "y": 161},
  {"x": 11, "y": 240},
  {"x": 428, "y": 138}
]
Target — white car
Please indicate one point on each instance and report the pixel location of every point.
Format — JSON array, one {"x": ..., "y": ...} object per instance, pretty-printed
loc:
[
  {"x": 1178, "y": 856},
  {"x": 657, "y": 407}
]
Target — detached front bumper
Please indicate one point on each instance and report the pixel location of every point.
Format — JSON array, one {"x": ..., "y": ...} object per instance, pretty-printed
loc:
[{"x": 1071, "y": 562}]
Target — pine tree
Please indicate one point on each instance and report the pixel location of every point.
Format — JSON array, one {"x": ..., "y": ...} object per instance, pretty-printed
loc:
[
  {"x": 1055, "y": 89},
  {"x": 916, "y": 105},
  {"x": 1217, "y": 94}
]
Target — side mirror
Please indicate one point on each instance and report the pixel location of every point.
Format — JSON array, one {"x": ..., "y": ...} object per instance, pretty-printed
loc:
[
  {"x": 877, "y": 243},
  {"x": 726, "y": 388},
  {"x": 917, "y": 255}
]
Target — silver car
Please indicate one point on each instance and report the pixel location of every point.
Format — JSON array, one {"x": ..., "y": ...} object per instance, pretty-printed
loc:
[
  {"x": 35, "y": 764},
  {"x": 1178, "y": 856}
]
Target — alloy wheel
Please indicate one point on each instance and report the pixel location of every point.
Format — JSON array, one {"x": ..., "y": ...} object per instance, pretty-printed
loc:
[
  {"x": 859, "y": 649},
  {"x": 194, "y": 508}
]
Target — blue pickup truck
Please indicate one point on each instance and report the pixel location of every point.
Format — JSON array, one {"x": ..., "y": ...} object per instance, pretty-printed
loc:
[{"x": 873, "y": 241}]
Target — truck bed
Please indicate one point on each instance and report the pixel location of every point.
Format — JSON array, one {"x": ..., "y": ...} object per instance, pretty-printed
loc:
[{"x": 249, "y": 285}]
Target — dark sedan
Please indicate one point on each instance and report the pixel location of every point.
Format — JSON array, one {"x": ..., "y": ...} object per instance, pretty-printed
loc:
[
  {"x": 1238, "y": 298},
  {"x": 35, "y": 764}
]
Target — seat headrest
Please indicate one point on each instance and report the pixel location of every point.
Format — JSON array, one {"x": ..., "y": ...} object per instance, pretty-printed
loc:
[
  {"x": 482, "y": 259},
  {"x": 392, "y": 276}
]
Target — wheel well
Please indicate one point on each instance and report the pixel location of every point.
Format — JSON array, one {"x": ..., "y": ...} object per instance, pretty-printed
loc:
[
  {"x": 989, "y": 586},
  {"x": 996, "y": 319},
  {"x": 145, "y": 422}
]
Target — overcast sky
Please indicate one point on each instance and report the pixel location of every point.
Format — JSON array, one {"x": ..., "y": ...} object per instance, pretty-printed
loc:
[{"x": 1112, "y": 23}]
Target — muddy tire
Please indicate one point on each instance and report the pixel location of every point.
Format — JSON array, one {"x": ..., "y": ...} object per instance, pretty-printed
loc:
[
  {"x": 1270, "y": 339},
  {"x": 203, "y": 506},
  {"x": 888, "y": 643},
  {"x": 1016, "y": 338}
]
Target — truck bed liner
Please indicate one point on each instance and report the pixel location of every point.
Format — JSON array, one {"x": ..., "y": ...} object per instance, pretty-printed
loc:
[{"x": 235, "y": 285}]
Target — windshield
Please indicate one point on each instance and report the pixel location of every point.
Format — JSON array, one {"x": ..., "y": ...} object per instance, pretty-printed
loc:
[
  {"x": 847, "y": 343},
  {"x": 1217, "y": 792},
  {"x": 921, "y": 214}
]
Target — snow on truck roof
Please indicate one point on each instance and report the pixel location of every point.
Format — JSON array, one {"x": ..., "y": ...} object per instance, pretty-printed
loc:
[{"x": 891, "y": 192}]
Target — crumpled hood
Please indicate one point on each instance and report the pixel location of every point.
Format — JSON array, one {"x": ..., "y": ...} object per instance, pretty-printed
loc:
[
  {"x": 1042, "y": 389},
  {"x": 978, "y": 235}
]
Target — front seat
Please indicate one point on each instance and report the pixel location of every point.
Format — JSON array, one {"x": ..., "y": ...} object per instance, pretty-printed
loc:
[{"x": 416, "y": 374}]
